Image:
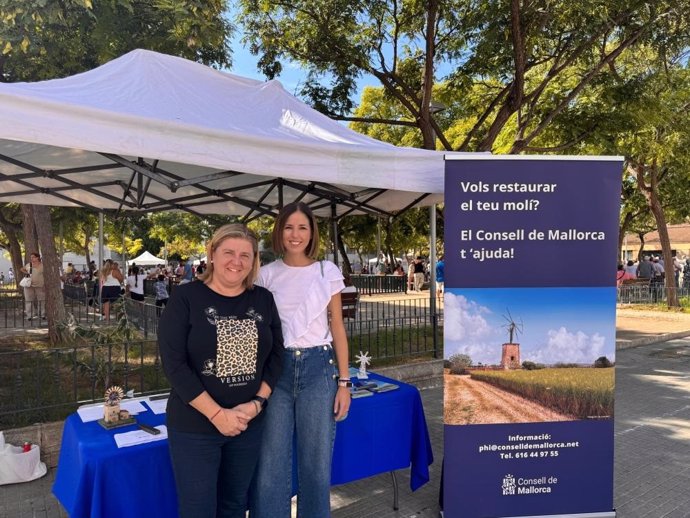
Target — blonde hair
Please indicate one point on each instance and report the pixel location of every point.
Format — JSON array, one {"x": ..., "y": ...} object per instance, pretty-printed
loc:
[
  {"x": 106, "y": 269},
  {"x": 312, "y": 250},
  {"x": 232, "y": 231}
]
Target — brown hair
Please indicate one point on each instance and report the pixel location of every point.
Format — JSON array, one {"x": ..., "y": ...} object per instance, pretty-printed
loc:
[
  {"x": 234, "y": 231},
  {"x": 288, "y": 210}
]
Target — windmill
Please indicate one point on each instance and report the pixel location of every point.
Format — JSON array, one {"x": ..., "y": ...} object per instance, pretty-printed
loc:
[
  {"x": 512, "y": 326},
  {"x": 510, "y": 356}
]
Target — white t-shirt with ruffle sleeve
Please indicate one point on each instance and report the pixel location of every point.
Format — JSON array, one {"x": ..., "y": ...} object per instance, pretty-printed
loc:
[{"x": 302, "y": 294}]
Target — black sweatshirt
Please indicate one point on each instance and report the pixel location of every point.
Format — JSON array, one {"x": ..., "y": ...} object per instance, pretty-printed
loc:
[{"x": 223, "y": 345}]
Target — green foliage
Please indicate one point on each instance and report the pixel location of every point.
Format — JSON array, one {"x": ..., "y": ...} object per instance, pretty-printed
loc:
[
  {"x": 532, "y": 366},
  {"x": 504, "y": 87},
  {"x": 43, "y": 39},
  {"x": 459, "y": 363},
  {"x": 602, "y": 363}
]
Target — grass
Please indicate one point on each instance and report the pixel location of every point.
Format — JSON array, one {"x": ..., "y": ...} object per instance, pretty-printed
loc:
[
  {"x": 580, "y": 392},
  {"x": 396, "y": 344}
]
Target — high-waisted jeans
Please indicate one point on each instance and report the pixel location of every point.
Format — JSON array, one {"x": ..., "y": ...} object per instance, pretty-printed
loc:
[{"x": 301, "y": 406}]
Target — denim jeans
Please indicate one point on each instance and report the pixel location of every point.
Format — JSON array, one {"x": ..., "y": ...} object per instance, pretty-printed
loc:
[
  {"x": 301, "y": 406},
  {"x": 213, "y": 472}
]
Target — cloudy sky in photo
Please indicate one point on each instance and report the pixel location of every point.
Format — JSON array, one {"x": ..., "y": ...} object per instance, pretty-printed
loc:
[{"x": 569, "y": 325}]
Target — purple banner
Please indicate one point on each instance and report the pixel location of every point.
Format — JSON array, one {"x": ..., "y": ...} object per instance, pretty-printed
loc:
[
  {"x": 529, "y": 336},
  {"x": 531, "y": 222}
]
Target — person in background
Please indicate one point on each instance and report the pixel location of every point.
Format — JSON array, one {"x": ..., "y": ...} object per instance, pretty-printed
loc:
[
  {"x": 110, "y": 280},
  {"x": 656, "y": 285},
  {"x": 677, "y": 269},
  {"x": 418, "y": 274},
  {"x": 221, "y": 347},
  {"x": 686, "y": 274},
  {"x": 35, "y": 295},
  {"x": 135, "y": 284},
  {"x": 622, "y": 275},
  {"x": 410, "y": 277},
  {"x": 161, "y": 289},
  {"x": 645, "y": 270},
  {"x": 440, "y": 276},
  {"x": 631, "y": 268},
  {"x": 309, "y": 397},
  {"x": 187, "y": 272}
]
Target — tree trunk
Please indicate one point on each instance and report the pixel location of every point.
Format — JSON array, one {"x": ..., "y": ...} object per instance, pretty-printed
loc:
[
  {"x": 347, "y": 267},
  {"x": 640, "y": 253},
  {"x": 30, "y": 237},
  {"x": 55, "y": 306},
  {"x": 650, "y": 192},
  {"x": 623, "y": 229}
]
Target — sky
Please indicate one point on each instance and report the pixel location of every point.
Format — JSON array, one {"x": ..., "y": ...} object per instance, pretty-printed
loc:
[
  {"x": 292, "y": 76},
  {"x": 569, "y": 325}
]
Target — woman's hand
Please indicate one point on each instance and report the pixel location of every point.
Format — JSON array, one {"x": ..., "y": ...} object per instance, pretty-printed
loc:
[
  {"x": 249, "y": 408},
  {"x": 342, "y": 403},
  {"x": 231, "y": 422}
]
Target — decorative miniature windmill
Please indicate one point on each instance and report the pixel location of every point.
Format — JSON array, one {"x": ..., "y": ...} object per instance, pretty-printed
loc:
[
  {"x": 510, "y": 356},
  {"x": 364, "y": 359}
]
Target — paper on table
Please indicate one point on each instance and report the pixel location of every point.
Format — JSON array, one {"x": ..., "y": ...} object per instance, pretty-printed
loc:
[
  {"x": 139, "y": 437},
  {"x": 95, "y": 412},
  {"x": 158, "y": 406}
]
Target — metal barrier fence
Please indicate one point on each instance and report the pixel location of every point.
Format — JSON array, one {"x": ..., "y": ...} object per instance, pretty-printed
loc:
[
  {"x": 375, "y": 284},
  {"x": 651, "y": 294},
  {"x": 40, "y": 383}
]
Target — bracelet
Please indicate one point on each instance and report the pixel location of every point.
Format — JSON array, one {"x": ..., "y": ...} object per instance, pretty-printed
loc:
[
  {"x": 214, "y": 415},
  {"x": 258, "y": 406}
]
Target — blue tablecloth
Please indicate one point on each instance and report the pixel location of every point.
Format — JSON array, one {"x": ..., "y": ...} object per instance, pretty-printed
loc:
[{"x": 95, "y": 479}]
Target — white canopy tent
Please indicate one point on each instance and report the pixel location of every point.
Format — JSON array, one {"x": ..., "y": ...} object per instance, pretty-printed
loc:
[
  {"x": 146, "y": 259},
  {"x": 148, "y": 132}
]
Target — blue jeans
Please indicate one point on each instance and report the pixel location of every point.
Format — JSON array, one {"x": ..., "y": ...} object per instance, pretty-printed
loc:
[
  {"x": 213, "y": 472},
  {"x": 301, "y": 406}
]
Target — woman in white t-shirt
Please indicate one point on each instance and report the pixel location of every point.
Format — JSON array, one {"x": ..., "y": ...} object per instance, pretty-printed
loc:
[
  {"x": 110, "y": 280},
  {"x": 135, "y": 284},
  {"x": 309, "y": 397}
]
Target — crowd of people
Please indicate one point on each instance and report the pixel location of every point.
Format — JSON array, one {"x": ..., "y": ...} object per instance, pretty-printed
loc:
[{"x": 651, "y": 268}]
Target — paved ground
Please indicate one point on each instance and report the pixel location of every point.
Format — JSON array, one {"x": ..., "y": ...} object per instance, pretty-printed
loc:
[{"x": 652, "y": 453}]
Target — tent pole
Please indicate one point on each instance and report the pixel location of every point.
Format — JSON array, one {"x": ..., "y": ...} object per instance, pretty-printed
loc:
[
  {"x": 432, "y": 276},
  {"x": 378, "y": 241},
  {"x": 334, "y": 234},
  {"x": 124, "y": 250},
  {"x": 100, "y": 242}
]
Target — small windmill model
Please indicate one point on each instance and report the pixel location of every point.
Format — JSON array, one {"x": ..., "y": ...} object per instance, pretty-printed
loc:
[{"x": 510, "y": 356}]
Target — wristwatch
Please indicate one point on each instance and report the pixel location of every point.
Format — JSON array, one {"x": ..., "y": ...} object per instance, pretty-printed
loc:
[
  {"x": 344, "y": 382},
  {"x": 262, "y": 401}
]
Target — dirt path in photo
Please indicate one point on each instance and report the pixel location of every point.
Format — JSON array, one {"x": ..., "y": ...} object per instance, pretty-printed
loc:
[{"x": 469, "y": 401}]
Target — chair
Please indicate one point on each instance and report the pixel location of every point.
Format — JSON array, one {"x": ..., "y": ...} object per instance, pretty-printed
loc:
[{"x": 349, "y": 301}]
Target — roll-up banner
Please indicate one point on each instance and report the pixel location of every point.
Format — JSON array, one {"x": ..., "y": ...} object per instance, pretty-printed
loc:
[{"x": 529, "y": 335}]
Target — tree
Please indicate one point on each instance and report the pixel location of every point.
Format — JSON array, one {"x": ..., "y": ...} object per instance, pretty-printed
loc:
[
  {"x": 11, "y": 227},
  {"x": 602, "y": 363},
  {"x": 55, "y": 306},
  {"x": 459, "y": 363},
  {"x": 46, "y": 39},
  {"x": 43, "y": 39},
  {"x": 525, "y": 62}
]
